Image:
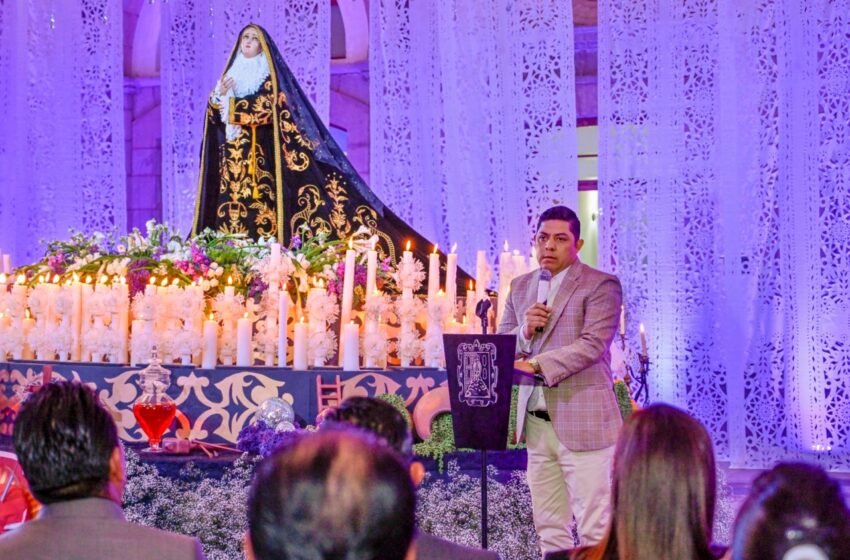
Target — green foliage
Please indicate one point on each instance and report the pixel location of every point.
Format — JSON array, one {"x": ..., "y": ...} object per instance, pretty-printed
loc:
[
  {"x": 441, "y": 441},
  {"x": 624, "y": 398}
]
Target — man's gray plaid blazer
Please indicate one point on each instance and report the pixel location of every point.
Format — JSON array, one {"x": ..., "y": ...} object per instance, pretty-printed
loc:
[{"x": 573, "y": 352}]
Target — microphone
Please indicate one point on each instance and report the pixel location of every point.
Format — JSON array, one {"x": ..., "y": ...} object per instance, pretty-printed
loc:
[{"x": 543, "y": 290}]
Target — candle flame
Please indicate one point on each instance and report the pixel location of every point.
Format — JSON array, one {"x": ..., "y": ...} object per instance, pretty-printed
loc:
[
  {"x": 229, "y": 280},
  {"x": 175, "y": 282},
  {"x": 302, "y": 320},
  {"x": 407, "y": 246},
  {"x": 471, "y": 285},
  {"x": 21, "y": 278},
  {"x": 351, "y": 243},
  {"x": 41, "y": 278},
  {"x": 55, "y": 278},
  {"x": 164, "y": 282},
  {"x": 88, "y": 279},
  {"x": 103, "y": 279},
  {"x": 436, "y": 245},
  {"x": 454, "y": 248},
  {"x": 506, "y": 245},
  {"x": 29, "y": 315},
  {"x": 441, "y": 293},
  {"x": 351, "y": 323},
  {"x": 464, "y": 319},
  {"x": 516, "y": 252},
  {"x": 246, "y": 315},
  {"x": 152, "y": 281},
  {"x": 2, "y": 278},
  {"x": 212, "y": 316},
  {"x": 374, "y": 244},
  {"x": 76, "y": 277},
  {"x": 642, "y": 330}
]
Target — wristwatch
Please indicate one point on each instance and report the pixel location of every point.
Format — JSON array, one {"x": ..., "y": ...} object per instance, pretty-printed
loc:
[{"x": 535, "y": 365}]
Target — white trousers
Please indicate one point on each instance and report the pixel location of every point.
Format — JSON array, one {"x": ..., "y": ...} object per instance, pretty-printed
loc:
[{"x": 564, "y": 483}]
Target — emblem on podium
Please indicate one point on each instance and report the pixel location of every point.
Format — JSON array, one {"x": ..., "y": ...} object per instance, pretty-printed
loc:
[{"x": 478, "y": 374}]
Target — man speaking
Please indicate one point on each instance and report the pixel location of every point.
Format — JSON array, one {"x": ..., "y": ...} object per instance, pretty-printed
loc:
[{"x": 565, "y": 315}]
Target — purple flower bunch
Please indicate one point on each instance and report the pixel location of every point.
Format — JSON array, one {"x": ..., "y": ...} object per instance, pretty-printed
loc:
[
  {"x": 295, "y": 243},
  {"x": 198, "y": 263},
  {"x": 257, "y": 287},
  {"x": 260, "y": 439},
  {"x": 57, "y": 263},
  {"x": 138, "y": 275}
]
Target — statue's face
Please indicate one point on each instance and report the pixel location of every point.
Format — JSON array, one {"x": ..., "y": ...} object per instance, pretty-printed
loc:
[{"x": 249, "y": 44}]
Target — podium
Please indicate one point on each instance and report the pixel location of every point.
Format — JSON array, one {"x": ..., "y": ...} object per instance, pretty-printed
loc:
[{"x": 480, "y": 372}]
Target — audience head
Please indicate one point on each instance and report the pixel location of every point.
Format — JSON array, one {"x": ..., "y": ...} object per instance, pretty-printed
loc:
[
  {"x": 558, "y": 239},
  {"x": 793, "y": 511},
  {"x": 337, "y": 493},
  {"x": 663, "y": 489},
  {"x": 382, "y": 419},
  {"x": 68, "y": 445}
]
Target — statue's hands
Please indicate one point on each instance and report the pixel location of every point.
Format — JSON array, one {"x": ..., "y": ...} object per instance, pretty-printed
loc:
[{"x": 227, "y": 84}]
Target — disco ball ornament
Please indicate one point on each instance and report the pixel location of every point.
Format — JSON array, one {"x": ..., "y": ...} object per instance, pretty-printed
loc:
[
  {"x": 275, "y": 411},
  {"x": 285, "y": 426}
]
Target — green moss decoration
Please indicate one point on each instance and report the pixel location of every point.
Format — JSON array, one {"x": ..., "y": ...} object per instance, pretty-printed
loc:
[
  {"x": 441, "y": 441},
  {"x": 624, "y": 398}
]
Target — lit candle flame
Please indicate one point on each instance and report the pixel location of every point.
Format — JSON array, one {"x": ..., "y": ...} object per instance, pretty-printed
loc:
[
  {"x": 506, "y": 245},
  {"x": 374, "y": 244},
  {"x": 152, "y": 281},
  {"x": 103, "y": 279},
  {"x": 175, "y": 282},
  {"x": 246, "y": 315},
  {"x": 2, "y": 278},
  {"x": 642, "y": 330},
  {"x": 436, "y": 245},
  {"x": 516, "y": 252},
  {"x": 351, "y": 243},
  {"x": 55, "y": 278},
  {"x": 408, "y": 245},
  {"x": 454, "y": 248},
  {"x": 212, "y": 316},
  {"x": 229, "y": 280},
  {"x": 76, "y": 277},
  {"x": 471, "y": 285},
  {"x": 21, "y": 278},
  {"x": 441, "y": 293},
  {"x": 29, "y": 315},
  {"x": 88, "y": 279},
  {"x": 41, "y": 279},
  {"x": 164, "y": 282}
]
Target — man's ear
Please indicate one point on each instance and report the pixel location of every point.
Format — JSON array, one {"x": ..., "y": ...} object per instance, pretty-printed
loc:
[
  {"x": 246, "y": 546},
  {"x": 579, "y": 244},
  {"x": 417, "y": 473},
  {"x": 116, "y": 467}
]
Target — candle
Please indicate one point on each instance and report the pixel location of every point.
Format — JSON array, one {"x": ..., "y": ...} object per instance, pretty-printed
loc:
[
  {"x": 150, "y": 289},
  {"x": 7, "y": 264},
  {"x": 76, "y": 317},
  {"x": 451, "y": 279},
  {"x": 282, "y": 322},
  {"x": 371, "y": 269},
  {"x": 505, "y": 276},
  {"x": 275, "y": 255},
  {"x": 350, "y": 347},
  {"x": 244, "y": 328},
  {"x": 229, "y": 290},
  {"x": 299, "y": 345},
  {"x": 622, "y": 320},
  {"x": 347, "y": 291},
  {"x": 210, "y": 347},
  {"x": 433, "y": 273},
  {"x": 643, "y": 340},
  {"x": 27, "y": 326},
  {"x": 518, "y": 262},
  {"x": 482, "y": 276},
  {"x": 470, "y": 304},
  {"x": 137, "y": 328},
  {"x": 532, "y": 261}
]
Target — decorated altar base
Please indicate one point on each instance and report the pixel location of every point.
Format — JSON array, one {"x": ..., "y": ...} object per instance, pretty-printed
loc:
[{"x": 214, "y": 405}]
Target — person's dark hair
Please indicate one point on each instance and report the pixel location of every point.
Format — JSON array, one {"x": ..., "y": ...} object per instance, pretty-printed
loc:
[
  {"x": 333, "y": 494},
  {"x": 663, "y": 489},
  {"x": 378, "y": 417},
  {"x": 563, "y": 214},
  {"x": 790, "y": 505},
  {"x": 64, "y": 440}
]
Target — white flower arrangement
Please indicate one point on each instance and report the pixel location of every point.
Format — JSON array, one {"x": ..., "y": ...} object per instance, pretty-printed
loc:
[
  {"x": 64, "y": 303},
  {"x": 321, "y": 346},
  {"x": 144, "y": 306},
  {"x": 38, "y": 302},
  {"x": 322, "y": 307},
  {"x": 409, "y": 277},
  {"x": 186, "y": 343},
  {"x": 375, "y": 348},
  {"x": 376, "y": 307}
]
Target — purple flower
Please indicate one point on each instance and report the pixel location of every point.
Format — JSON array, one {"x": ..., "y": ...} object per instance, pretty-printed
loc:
[
  {"x": 276, "y": 440},
  {"x": 56, "y": 263},
  {"x": 385, "y": 265},
  {"x": 360, "y": 274},
  {"x": 334, "y": 287},
  {"x": 257, "y": 287},
  {"x": 295, "y": 243},
  {"x": 138, "y": 276}
]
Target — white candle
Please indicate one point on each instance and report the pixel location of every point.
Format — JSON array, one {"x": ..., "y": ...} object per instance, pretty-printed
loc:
[
  {"x": 7, "y": 264},
  {"x": 505, "y": 277},
  {"x": 282, "y": 322},
  {"x": 470, "y": 304},
  {"x": 347, "y": 291},
  {"x": 350, "y": 347},
  {"x": 76, "y": 318},
  {"x": 482, "y": 277},
  {"x": 122, "y": 326},
  {"x": 371, "y": 270},
  {"x": 451, "y": 279},
  {"x": 229, "y": 290},
  {"x": 299, "y": 345},
  {"x": 518, "y": 262},
  {"x": 210, "y": 347},
  {"x": 433, "y": 274},
  {"x": 137, "y": 327},
  {"x": 150, "y": 289},
  {"x": 271, "y": 341},
  {"x": 643, "y": 340},
  {"x": 28, "y": 324},
  {"x": 274, "y": 248},
  {"x": 532, "y": 260},
  {"x": 623, "y": 320},
  {"x": 244, "y": 351}
]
